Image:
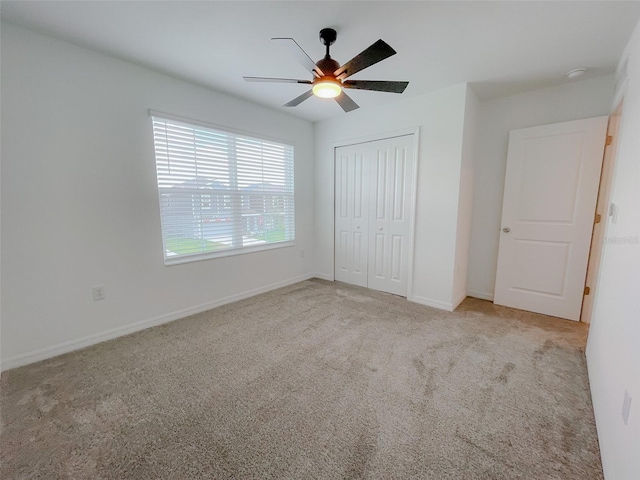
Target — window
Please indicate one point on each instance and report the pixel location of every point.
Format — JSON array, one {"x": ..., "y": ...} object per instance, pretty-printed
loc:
[{"x": 221, "y": 193}]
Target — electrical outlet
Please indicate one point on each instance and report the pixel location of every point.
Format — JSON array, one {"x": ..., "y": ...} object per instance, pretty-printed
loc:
[
  {"x": 626, "y": 406},
  {"x": 98, "y": 293},
  {"x": 301, "y": 253}
]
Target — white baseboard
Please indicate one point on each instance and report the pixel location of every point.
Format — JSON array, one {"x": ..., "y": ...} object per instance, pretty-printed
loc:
[
  {"x": 458, "y": 300},
  {"x": 481, "y": 295},
  {"x": 323, "y": 276},
  {"x": 70, "y": 346},
  {"x": 432, "y": 303}
]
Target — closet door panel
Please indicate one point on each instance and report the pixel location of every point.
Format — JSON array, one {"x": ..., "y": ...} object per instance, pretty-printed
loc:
[
  {"x": 352, "y": 215},
  {"x": 392, "y": 196}
]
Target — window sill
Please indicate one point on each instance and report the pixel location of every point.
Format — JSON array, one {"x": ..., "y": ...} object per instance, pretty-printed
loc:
[{"x": 197, "y": 257}]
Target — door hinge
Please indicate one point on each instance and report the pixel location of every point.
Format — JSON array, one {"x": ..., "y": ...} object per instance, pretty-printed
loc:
[
  {"x": 598, "y": 218},
  {"x": 609, "y": 140},
  {"x": 587, "y": 290}
]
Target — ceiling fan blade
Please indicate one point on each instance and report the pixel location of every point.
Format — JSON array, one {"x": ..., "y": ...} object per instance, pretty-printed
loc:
[
  {"x": 346, "y": 102},
  {"x": 298, "y": 100},
  {"x": 370, "y": 56},
  {"x": 276, "y": 80},
  {"x": 300, "y": 55},
  {"x": 377, "y": 85}
]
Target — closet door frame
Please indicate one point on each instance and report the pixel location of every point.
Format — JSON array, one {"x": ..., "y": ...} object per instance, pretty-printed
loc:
[{"x": 415, "y": 132}]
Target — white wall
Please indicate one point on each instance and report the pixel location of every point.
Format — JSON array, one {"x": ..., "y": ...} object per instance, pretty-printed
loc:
[
  {"x": 465, "y": 198},
  {"x": 80, "y": 203},
  {"x": 572, "y": 101},
  {"x": 440, "y": 116},
  {"x": 613, "y": 349}
]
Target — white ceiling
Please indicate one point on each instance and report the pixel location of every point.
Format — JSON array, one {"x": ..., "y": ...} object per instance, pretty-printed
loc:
[{"x": 500, "y": 47}]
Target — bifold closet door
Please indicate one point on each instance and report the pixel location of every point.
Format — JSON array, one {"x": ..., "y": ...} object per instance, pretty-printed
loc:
[
  {"x": 352, "y": 214},
  {"x": 372, "y": 213},
  {"x": 389, "y": 225}
]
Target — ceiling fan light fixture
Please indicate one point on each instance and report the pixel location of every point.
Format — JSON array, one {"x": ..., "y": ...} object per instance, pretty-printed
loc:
[{"x": 327, "y": 89}]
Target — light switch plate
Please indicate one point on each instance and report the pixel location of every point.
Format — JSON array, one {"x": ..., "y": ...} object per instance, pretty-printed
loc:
[
  {"x": 613, "y": 212},
  {"x": 626, "y": 407}
]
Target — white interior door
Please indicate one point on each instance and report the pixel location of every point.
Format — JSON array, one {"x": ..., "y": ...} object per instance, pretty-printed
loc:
[
  {"x": 373, "y": 184},
  {"x": 390, "y": 187},
  {"x": 550, "y": 193},
  {"x": 352, "y": 214}
]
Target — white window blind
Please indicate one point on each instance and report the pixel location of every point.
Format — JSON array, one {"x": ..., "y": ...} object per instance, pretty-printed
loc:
[{"x": 221, "y": 193}]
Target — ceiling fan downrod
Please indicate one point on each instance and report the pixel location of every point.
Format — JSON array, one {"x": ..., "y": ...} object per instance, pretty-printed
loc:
[
  {"x": 328, "y": 37},
  {"x": 328, "y": 65}
]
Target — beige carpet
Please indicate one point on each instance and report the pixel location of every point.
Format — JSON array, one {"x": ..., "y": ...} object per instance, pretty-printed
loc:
[{"x": 316, "y": 380}]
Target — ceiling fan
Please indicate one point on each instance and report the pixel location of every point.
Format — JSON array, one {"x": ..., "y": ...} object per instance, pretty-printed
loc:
[{"x": 329, "y": 78}]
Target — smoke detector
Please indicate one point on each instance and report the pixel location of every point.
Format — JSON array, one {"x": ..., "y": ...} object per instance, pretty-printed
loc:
[{"x": 576, "y": 72}]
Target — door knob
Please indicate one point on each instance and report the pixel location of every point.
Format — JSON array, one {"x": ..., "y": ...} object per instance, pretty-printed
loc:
[
  {"x": 381, "y": 229},
  {"x": 358, "y": 227},
  {"x": 506, "y": 229}
]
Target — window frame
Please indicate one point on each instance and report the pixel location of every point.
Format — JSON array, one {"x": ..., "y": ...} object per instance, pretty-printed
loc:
[{"x": 200, "y": 256}]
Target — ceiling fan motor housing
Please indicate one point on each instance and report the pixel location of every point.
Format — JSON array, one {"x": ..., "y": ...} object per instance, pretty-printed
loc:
[{"x": 328, "y": 65}]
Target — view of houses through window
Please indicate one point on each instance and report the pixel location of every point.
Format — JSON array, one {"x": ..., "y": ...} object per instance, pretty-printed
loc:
[{"x": 221, "y": 191}]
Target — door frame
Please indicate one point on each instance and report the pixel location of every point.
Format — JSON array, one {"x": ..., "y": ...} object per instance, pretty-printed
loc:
[
  {"x": 598, "y": 234},
  {"x": 415, "y": 132}
]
